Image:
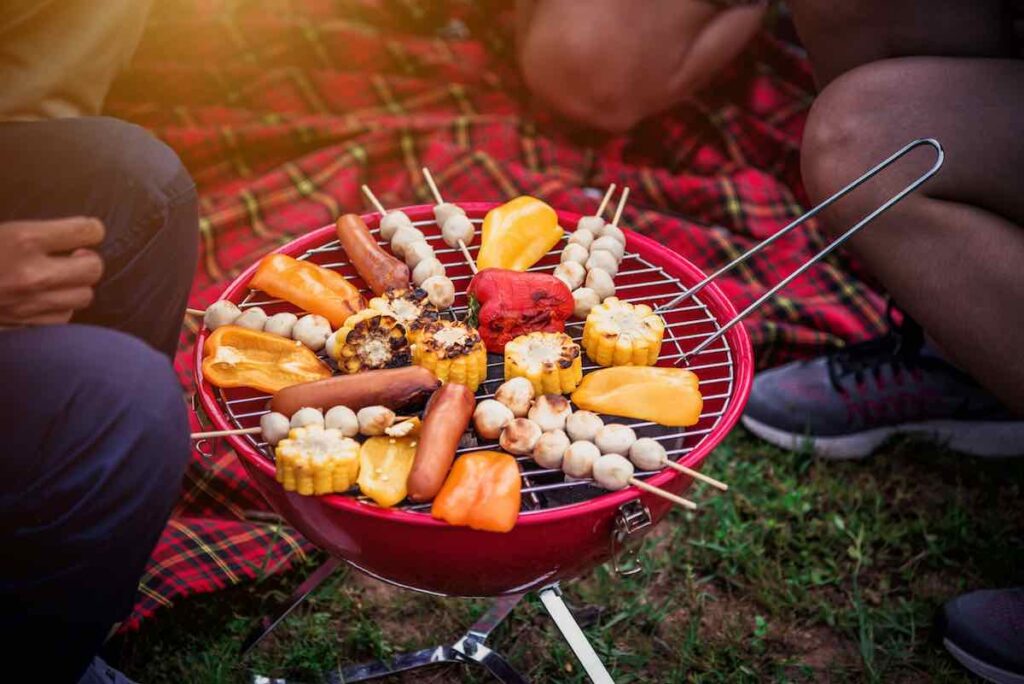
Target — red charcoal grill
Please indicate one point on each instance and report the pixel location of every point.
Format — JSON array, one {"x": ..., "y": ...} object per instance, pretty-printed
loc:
[{"x": 564, "y": 528}]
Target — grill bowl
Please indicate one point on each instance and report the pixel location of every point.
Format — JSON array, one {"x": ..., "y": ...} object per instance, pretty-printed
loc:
[{"x": 565, "y": 529}]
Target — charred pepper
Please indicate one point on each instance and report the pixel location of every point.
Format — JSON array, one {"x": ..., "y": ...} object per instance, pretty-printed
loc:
[{"x": 506, "y": 304}]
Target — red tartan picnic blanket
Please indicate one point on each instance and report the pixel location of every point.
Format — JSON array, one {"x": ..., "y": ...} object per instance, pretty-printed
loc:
[{"x": 282, "y": 108}]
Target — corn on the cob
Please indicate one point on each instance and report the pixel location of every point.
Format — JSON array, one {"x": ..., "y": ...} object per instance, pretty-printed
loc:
[
  {"x": 410, "y": 307},
  {"x": 369, "y": 340},
  {"x": 314, "y": 460},
  {"x": 618, "y": 333},
  {"x": 550, "y": 361},
  {"x": 453, "y": 351}
]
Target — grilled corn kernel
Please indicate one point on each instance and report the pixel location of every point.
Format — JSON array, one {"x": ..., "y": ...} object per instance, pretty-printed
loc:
[
  {"x": 411, "y": 308},
  {"x": 453, "y": 351},
  {"x": 618, "y": 333},
  {"x": 369, "y": 340},
  {"x": 313, "y": 460},
  {"x": 550, "y": 361}
]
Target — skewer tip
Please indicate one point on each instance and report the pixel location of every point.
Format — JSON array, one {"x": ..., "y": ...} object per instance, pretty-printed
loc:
[
  {"x": 697, "y": 475},
  {"x": 657, "y": 491},
  {"x": 604, "y": 200},
  {"x": 433, "y": 186},
  {"x": 622, "y": 205},
  {"x": 373, "y": 199}
]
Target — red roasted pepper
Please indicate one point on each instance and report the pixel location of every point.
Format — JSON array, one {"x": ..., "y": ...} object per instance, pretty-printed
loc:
[{"x": 506, "y": 304}]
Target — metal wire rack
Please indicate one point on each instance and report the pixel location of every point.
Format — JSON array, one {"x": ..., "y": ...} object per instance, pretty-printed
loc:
[{"x": 638, "y": 281}]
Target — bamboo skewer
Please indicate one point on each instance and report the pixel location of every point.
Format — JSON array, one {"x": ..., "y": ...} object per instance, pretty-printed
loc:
[
  {"x": 226, "y": 433},
  {"x": 195, "y": 312},
  {"x": 622, "y": 205},
  {"x": 696, "y": 475},
  {"x": 256, "y": 430},
  {"x": 374, "y": 201},
  {"x": 437, "y": 196},
  {"x": 669, "y": 496},
  {"x": 604, "y": 200}
]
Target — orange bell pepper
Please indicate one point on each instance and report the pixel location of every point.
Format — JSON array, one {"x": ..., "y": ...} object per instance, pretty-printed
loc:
[
  {"x": 314, "y": 288},
  {"x": 481, "y": 492},
  {"x": 239, "y": 357}
]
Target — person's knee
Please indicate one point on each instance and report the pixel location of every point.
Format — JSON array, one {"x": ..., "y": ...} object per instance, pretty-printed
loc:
[
  {"x": 132, "y": 156},
  {"x": 847, "y": 132},
  {"x": 573, "y": 74}
]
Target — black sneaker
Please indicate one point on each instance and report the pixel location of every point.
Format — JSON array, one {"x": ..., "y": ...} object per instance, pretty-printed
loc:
[
  {"x": 846, "y": 404},
  {"x": 984, "y": 631}
]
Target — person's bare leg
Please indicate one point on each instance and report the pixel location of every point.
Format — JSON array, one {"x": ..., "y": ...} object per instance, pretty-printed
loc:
[
  {"x": 608, "y": 64},
  {"x": 840, "y": 36},
  {"x": 951, "y": 255}
]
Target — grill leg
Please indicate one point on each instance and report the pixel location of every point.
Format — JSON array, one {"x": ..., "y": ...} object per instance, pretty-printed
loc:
[
  {"x": 267, "y": 623},
  {"x": 551, "y": 597},
  {"x": 469, "y": 649},
  {"x": 471, "y": 646}
]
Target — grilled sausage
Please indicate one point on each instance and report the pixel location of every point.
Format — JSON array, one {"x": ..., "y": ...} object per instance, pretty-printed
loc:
[
  {"x": 394, "y": 387},
  {"x": 444, "y": 420},
  {"x": 380, "y": 270}
]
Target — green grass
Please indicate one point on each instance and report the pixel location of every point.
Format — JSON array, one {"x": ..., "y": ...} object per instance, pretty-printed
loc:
[{"x": 806, "y": 570}]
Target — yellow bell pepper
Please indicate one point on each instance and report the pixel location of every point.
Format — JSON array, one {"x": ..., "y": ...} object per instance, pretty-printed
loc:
[
  {"x": 384, "y": 465},
  {"x": 482, "y": 492},
  {"x": 239, "y": 357},
  {"x": 667, "y": 396},
  {"x": 518, "y": 234},
  {"x": 313, "y": 460}
]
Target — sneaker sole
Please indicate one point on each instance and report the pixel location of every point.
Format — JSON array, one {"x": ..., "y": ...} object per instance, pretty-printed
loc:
[
  {"x": 986, "y": 439},
  {"x": 981, "y": 668}
]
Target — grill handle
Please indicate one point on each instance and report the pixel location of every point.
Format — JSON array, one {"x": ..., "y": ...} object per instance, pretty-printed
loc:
[
  {"x": 631, "y": 522},
  {"x": 832, "y": 246}
]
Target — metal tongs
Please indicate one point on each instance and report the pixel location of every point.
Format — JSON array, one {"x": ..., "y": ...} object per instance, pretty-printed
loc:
[{"x": 940, "y": 156}]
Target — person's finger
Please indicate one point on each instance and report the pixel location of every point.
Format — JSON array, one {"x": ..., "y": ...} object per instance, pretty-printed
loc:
[
  {"x": 67, "y": 234},
  {"x": 55, "y": 301},
  {"x": 83, "y": 267}
]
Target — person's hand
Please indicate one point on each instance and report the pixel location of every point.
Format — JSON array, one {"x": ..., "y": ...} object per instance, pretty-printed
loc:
[{"x": 47, "y": 271}]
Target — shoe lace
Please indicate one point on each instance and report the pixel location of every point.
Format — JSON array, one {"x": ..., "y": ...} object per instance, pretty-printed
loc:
[{"x": 897, "y": 350}]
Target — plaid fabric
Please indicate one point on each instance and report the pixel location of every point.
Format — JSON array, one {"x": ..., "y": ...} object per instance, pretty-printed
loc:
[{"x": 281, "y": 109}]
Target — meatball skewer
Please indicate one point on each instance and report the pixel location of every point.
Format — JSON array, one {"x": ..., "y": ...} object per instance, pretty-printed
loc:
[
  {"x": 649, "y": 454},
  {"x": 455, "y": 227}
]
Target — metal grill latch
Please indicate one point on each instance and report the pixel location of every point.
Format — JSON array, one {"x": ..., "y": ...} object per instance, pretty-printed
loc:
[{"x": 631, "y": 521}]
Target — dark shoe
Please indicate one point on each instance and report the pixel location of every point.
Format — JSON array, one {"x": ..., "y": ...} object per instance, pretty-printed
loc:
[
  {"x": 846, "y": 404},
  {"x": 984, "y": 631}
]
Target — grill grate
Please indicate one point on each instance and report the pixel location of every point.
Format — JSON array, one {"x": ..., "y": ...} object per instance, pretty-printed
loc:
[{"x": 638, "y": 281}]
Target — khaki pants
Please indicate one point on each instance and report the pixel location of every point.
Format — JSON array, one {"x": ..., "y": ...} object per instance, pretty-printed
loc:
[{"x": 59, "y": 57}]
